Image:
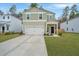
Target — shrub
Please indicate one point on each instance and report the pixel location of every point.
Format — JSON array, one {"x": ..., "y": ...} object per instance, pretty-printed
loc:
[
  {"x": 0, "y": 33},
  {"x": 45, "y": 33},
  {"x": 8, "y": 33},
  {"x": 21, "y": 33},
  {"x": 60, "y": 31}
]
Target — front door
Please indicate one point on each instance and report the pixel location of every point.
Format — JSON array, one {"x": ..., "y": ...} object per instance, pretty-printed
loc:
[
  {"x": 52, "y": 29},
  {"x": 3, "y": 29}
]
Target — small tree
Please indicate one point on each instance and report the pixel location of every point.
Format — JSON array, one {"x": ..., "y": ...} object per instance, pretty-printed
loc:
[
  {"x": 13, "y": 10},
  {"x": 73, "y": 11},
  {"x": 1, "y": 13},
  {"x": 19, "y": 14},
  {"x": 65, "y": 13},
  {"x": 34, "y": 5}
]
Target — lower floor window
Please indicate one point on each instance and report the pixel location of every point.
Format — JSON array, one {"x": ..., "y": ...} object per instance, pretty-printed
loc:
[
  {"x": 7, "y": 27},
  {"x": 72, "y": 29},
  {"x": 67, "y": 29}
]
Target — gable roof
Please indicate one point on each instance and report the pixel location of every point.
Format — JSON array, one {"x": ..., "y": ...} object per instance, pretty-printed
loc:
[
  {"x": 47, "y": 11},
  {"x": 34, "y": 9}
]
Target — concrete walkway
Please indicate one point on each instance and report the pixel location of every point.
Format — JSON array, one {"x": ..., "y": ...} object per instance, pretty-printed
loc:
[{"x": 24, "y": 46}]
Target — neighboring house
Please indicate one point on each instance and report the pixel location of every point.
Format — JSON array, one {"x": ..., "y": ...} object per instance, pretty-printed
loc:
[
  {"x": 9, "y": 23},
  {"x": 39, "y": 20},
  {"x": 71, "y": 25}
]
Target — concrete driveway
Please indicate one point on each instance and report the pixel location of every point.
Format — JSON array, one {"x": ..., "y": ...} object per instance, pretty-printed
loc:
[{"x": 31, "y": 45}]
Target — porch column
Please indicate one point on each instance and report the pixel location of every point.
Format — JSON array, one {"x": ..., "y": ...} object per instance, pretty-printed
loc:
[
  {"x": 46, "y": 28},
  {"x": 0, "y": 29},
  {"x": 54, "y": 28},
  {"x": 24, "y": 27},
  {"x": 57, "y": 28},
  {"x": 49, "y": 30}
]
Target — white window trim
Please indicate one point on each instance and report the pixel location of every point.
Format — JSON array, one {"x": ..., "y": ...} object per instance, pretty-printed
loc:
[
  {"x": 29, "y": 16},
  {"x": 39, "y": 15},
  {"x": 49, "y": 17},
  {"x": 49, "y": 14}
]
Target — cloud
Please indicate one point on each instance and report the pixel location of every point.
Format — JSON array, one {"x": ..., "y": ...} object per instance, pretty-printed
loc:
[
  {"x": 63, "y": 1},
  {"x": 39, "y": 1},
  {"x": 62, "y": 5}
]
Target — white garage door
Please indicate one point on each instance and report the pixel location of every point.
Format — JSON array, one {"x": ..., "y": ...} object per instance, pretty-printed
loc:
[{"x": 34, "y": 29}]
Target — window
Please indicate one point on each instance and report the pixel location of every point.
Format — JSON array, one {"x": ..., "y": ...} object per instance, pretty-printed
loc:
[
  {"x": 3, "y": 29},
  {"x": 3, "y": 17},
  {"x": 67, "y": 22},
  {"x": 49, "y": 17},
  {"x": 40, "y": 16},
  {"x": 8, "y": 17},
  {"x": 7, "y": 27},
  {"x": 72, "y": 29},
  {"x": 67, "y": 29},
  {"x": 28, "y": 16}
]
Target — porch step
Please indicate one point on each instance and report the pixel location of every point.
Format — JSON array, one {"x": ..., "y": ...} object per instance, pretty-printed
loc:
[{"x": 55, "y": 35}]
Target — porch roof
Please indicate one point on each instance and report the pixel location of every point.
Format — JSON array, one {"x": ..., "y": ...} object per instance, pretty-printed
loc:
[
  {"x": 4, "y": 22},
  {"x": 52, "y": 22}
]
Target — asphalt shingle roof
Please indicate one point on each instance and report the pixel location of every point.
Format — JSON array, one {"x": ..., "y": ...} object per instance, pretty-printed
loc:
[{"x": 38, "y": 10}]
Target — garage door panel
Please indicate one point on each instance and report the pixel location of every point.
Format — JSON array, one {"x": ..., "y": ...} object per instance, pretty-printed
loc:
[
  {"x": 35, "y": 26},
  {"x": 34, "y": 29}
]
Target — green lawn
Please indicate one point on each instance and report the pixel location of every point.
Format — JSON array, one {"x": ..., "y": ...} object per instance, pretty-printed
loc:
[
  {"x": 7, "y": 37},
  {"x": 66, "y": 45}
]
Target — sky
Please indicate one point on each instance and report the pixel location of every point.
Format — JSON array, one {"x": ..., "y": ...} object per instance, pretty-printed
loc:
[{"x": 53, "y": 7}]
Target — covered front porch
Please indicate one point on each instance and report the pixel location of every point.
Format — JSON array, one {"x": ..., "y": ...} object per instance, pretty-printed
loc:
[
  {"x": 4, "y": 27},
  {"x": 52, "y": 28}
]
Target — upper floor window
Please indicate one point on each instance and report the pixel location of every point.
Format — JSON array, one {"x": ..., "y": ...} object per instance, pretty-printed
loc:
[
  {"x": 67, "y": 22},
  {"x": 3, "y": 17},
  {"x": 8, "y": 17},
  {"x": 49, "y": 17},
  {"x": 28, "y": 16},
  {"x": 40, "y": 16}
]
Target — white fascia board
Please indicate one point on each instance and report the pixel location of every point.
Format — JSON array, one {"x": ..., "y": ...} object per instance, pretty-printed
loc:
[
  {"x": 49, "y": 14},
  {"x": 34, "y": 12},
  {"x": 52, "y": 22},
  {"x": 35, "y": 20}
]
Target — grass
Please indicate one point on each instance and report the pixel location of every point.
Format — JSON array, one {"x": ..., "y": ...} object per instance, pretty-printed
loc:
[
  {"x": 66, "y": 45},
  {"x": 7, "y": 37}
]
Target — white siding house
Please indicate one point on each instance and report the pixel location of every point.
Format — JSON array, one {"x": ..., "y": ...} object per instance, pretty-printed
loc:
[
  {"x": 10, "y": 23},
  {"x": 71, "y": 26},
  {"x": 39, "y": 20}
]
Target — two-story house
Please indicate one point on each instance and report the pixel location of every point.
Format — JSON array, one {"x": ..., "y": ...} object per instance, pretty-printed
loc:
[
  {"x": 9, "y": 23},
  {"x": 71, "y": 25},
  {"x": 39, "y": 20}
]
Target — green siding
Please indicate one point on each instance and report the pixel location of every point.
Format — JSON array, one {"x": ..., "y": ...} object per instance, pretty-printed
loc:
[
  {"x": 44, "y": 16},
  {"x": 35, "y": 16}
]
